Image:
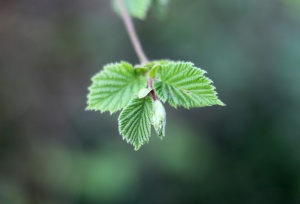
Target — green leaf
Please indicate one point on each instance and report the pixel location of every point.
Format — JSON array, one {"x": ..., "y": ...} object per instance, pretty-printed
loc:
[
  {"x": 141, "y": 69},
  {"x": 135, "y": 121},
  {"x": 114, "y": 86},
  {"x": 154, "y": 66},
  {"x": 183, "y": 84},
  {"x": 136, "y": 8},
  {"x": 153, "y": 71}
]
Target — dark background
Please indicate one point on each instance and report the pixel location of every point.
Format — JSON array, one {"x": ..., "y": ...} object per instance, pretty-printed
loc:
[{"x": 52, "y": 151}]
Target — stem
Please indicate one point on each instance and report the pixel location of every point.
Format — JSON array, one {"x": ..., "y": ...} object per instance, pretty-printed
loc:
[
  {"x": 131, "y": 32},
  {"x": 150, "y": 86}
]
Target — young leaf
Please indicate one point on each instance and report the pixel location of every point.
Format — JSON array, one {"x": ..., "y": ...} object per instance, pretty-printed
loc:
[
  {"x": 135, "y": 121},
  {"x": 136, "y": 8},
  {"x": 141, "y": 69},
  {"x": 183, "y": 84},
  {"x": 154, "y": 66},
  {"x": 114, "y": 86},
  {"x": 159, "y": 118},
  {"x": 153, "y": 71}
]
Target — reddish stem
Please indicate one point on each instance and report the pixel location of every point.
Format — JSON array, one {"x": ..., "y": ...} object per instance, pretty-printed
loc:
[{"x": 150, "y": 86}]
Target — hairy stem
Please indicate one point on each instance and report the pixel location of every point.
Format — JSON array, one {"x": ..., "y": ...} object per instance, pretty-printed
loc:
[{"x": 131, "y": 32}]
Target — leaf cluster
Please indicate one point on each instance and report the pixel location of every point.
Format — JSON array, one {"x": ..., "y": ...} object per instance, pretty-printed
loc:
[{"x": 137, "y": 91}]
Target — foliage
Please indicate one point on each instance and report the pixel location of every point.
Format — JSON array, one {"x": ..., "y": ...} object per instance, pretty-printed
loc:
[
  {"x": 135, "y": 121},
  {"x": 121, "y": 86},
  {"x": 182, "y": 84},
  {"x": 114, "y": 87}
]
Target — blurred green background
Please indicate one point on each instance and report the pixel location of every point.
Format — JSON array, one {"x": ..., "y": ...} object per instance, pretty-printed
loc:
[{"x": 52, "y": 151}]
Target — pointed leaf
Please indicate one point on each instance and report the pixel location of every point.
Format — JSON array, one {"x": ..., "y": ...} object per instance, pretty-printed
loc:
[
  {"x": 135, "y": 121},
  {"x": 114, "y": 86},
  {"x": 183, "y": 84}
]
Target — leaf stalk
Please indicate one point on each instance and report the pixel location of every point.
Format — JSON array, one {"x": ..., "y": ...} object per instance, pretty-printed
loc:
[{"x": 150, "y": 86}]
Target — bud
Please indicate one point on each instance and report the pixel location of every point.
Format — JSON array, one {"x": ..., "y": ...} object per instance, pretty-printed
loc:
[{"x": 159, "y": 118}]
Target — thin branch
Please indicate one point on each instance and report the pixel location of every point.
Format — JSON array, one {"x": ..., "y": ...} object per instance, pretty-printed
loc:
[{"x": 131, "y": 32}]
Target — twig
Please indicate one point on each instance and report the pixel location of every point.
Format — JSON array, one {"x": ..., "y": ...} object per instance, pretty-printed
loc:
[{"x": 131, "y": 32}]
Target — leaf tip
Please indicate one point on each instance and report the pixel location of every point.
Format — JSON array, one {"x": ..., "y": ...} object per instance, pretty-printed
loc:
[
  {"x": 137, "y": 147},
  {"x": 221, "y": 103}
]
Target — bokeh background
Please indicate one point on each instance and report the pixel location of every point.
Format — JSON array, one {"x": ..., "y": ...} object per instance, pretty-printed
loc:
[{"x": 52, "y": 151}]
